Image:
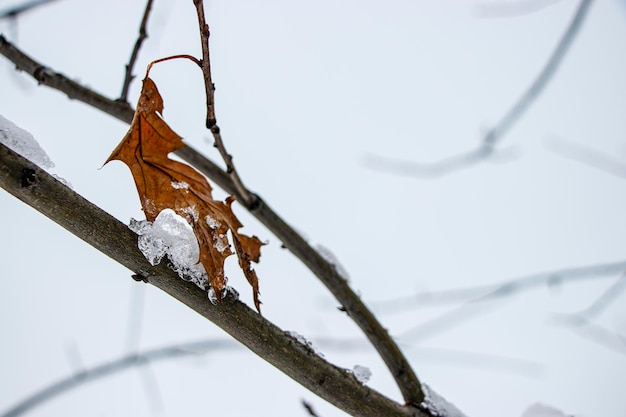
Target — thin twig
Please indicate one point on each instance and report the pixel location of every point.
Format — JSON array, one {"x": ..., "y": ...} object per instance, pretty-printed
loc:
[
  {"x": 309, "y": 408},
  {"x": 599, "y": 305},
  {"x": 509, "y": 9},
  {"x": 14, "y": 11},
  {"x": 327, "y": 273},
  {"x": 76, "y": 379},
  {"x": 602, "y": 336},
  {"x": 143, "y": 34},
  {"x": 487, "y": 147},
  {"x": 248, "y": 199},
  {"x": 506, "y": 288},
  {"x": 478, "y": 305},
  {"x": 587, "y": 156}
]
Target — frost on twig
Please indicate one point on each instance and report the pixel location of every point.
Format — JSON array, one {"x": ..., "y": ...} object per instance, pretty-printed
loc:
[
  {"x": 333, "y": 260},
  {"x": 307, "y": 343}
]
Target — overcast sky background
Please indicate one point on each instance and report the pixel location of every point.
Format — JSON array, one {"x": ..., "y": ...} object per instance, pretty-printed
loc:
[{"x": 305, "y": 92}]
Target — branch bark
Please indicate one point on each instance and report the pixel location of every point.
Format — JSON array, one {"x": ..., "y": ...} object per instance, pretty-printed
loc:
[
  {"x": 143, "y": 34},
  {"x": 487, "y": 147},
  {"x": 35, "y": 187},
  {"x": 378, "y": 336}
]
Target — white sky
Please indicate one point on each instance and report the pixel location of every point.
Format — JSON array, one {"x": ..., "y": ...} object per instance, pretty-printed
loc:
[{"x": 304, "y": 92}]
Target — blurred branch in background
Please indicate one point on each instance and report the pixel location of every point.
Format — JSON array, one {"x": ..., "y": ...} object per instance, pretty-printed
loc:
[
  {"x": 500, "y": 9},
  {"x": 507, "y": 288},
  {"x": 609, "y": 296},
  {"x": 602, "y": 336},
  {"x": 12, "y": 13},
  {"x": 81, "y": 377},
  {"x": 143, "y": 34},
  {"x": 587, "y": 156},
  {"x": 142, "y": 360},
  {"x": 486, "y": 148},
  {"x": 478, "y": 300}
]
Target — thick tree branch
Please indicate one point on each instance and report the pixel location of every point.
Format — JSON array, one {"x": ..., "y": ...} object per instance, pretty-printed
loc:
[
  {"x": 35, "y": 187},
  {"x": 397, "y": 363}
]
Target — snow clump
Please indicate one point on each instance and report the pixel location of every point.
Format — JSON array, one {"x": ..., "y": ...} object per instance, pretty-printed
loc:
[
  {"x": 171, "y": 235},
  {"x": 22, "y": 142},
  {"x": 437, "y": 405},
  {"x": 361, "y": 373}
]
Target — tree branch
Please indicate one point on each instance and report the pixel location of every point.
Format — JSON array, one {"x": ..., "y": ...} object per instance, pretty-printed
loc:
[
  {"x": 35, "y": 187},
  {"x": 506, "y": 288},
  {"x": 123, "y": 363},
  {"x": 487, "y": 147},
  {"x": 143, "y": 34},
  {"x": 378, "y": 336},
  {"x": 248, "y": 199},
  {"x": 587, "y": 156}
]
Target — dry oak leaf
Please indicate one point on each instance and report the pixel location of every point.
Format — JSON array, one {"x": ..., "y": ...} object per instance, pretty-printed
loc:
[{"x": 164, "y": 183}]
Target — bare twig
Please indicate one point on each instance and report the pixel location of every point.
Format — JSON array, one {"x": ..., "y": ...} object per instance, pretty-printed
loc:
[
  {"x": 111, "y": 237},
  {"x": 60, "y": 82},
  {"x": 498, "y": 9},
  {"x": 247, "y": 198},
  {"x": 502, "y": 289},
  {"x": 309, "y": 408},
  {"x": 143, "y": 34},
  {"x": 397, "y": 363},
  {"x": 135, "y": 318},
  {"x": 587, "y": 156},
  {"x": 599, "y": 305},
  {"x": 76, "y": 379},
  {"x": 487, "y": 147},
  {"x": 478, "y": 305},
  {"x": 14, "y": 11},
  {"x": 602, "y": 336}
]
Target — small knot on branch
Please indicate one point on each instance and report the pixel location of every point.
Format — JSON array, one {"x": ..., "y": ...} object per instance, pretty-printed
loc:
[{"x": 29, "y": 178}]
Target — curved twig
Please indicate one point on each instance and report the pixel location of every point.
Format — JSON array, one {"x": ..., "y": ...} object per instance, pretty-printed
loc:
[
  {"x": 486, "y": 148},
  {"x": 143, "y": 34},
  {"x": 114, "y": 366},
  {"x": 397, "y": 363}
]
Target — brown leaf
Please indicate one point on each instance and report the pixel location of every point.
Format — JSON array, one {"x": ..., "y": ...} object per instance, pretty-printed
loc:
[{"x": 164, "y": 183}]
